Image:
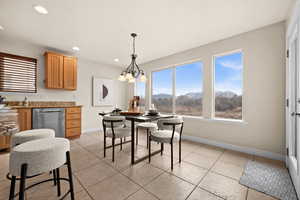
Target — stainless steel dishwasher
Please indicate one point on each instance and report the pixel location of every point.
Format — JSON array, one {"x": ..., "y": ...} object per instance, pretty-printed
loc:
[{"x": 52, "y": 118}]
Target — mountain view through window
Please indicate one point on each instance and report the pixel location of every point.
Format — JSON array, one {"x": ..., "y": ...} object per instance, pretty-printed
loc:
[{"x": 228, "y": 86}]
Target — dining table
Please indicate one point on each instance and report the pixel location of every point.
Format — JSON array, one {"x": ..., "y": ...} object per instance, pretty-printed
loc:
[{"x": 139, "y": 118}]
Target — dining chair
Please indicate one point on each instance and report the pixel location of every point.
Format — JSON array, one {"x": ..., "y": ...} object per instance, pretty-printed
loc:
[
  {"x": 149, "y": 127},
  {"x": 114, "y": 127},
  {"x": 169, "y": 131}
]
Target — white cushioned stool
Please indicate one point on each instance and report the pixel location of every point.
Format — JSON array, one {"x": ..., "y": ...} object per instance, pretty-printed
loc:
[
  {"x": 39, "y": 156},
  {"x": 150, "y": 127},
  {"x": 34, "y": 134}
]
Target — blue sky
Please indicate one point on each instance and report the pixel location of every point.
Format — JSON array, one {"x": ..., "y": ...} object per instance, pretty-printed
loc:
[{"x": 189, "y": 77}]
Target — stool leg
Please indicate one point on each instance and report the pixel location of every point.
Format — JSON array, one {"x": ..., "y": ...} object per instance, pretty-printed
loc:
[
  {"x": 149, "y": 156},
  {"x": 22, "y": 182},
  {"x": 161, "y": 148},
  {"x": 70, "y": 175},
  {"x": 121, "y": 144},
  {"x": 147, "y": 138},
  {"x": 171, "y": 155},
  {"x": 113, "y": 150},
  {"x": 58, "y": 182},
  {"x": 180, "y": 150},
  {"x": 137, "y": 136},
  {"x": 12, "y": 188},
  {"x": 54, "y": 176}
]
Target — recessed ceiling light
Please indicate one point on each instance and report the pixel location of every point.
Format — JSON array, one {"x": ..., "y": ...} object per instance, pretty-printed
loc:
[
  {"x": 75, "y": 48},
  {"x": 116, "y": 59},
  {"x": 1, "y": 27},
  {"x": 40, "y": 9}
]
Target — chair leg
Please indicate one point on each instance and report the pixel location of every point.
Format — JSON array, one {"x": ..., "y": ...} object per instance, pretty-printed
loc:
[
  {"x": 58, "y": 182},
  {"x": 12, "y": 188},
  {"x": 149, "y": 155},
  {"x": 104, "y": 152},
  {"x": 171, "y": 155},
  {"x": 161, "y": 148},
  {"x": 180, "y": 150},
  {"x": 121, "y": 144},
  {"x": 54, "y": 177},
  {"x": 137, "y": 136},
  {"x": 22, "y": 181},
  {"x": 70, "y": 176},
  {"x": 113, "y": 149},
  {"x": 147, "y": 138}
]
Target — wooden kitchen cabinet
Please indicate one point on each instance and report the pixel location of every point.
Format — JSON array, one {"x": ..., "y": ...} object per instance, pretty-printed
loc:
[
  {"x": 70, "y": 73},
  {"x": 4, "y": 142},
  {"x": 73, "y": 122},
  {"x": 25, "y": 119},
  {"x": 60, "y": 71},
  {"x": 54, "y": 68}
]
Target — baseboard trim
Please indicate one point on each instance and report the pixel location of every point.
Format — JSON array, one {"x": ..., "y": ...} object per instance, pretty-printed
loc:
[
  {"x": 89, "y": 130},
  {"x": 248, "y": 150}
]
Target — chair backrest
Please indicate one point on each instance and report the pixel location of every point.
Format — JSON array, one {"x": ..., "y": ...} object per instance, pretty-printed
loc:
[
  {"x": 116, "y": 121},
  {"x": 167, "y": 123}
]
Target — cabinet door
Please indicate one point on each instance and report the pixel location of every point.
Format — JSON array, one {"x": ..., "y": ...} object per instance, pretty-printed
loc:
[
  {"x": 4, "y": 142},
  {"x": 24, "y": 116},
  {"x": 70, "y": 73},
  {"x": 54, "y": 70}
]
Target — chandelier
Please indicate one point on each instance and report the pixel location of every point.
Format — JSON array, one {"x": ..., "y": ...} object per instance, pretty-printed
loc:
[{"x": 133, "y": 72}]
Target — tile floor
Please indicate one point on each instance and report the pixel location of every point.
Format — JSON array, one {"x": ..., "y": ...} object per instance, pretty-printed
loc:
[{"x": 206, "y": 173}]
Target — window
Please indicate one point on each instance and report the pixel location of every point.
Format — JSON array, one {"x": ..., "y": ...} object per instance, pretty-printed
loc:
[
  {"x": 140, "y": 90},
  {"x": 189, "y": 89},
  {"x": 17, "y": 73},
  {"x": 162, "y": 90},
  {"x": 178, "y": 89},
  {"x": 228, "y": 85}
]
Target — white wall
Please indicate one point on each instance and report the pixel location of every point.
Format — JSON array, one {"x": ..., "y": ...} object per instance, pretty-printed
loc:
[
  {"x": 83, "y": 94},
  {"x": 264, "y": 86}
]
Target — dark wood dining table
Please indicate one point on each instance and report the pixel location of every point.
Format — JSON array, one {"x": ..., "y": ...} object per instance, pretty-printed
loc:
[{"x": 139, "y": 118}]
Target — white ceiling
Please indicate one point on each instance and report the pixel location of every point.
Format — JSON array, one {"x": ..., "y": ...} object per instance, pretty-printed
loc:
[{"x": 101, "y": 28}]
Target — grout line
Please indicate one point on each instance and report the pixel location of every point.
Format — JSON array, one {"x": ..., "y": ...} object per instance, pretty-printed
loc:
[{"x": 85, "y": 189}]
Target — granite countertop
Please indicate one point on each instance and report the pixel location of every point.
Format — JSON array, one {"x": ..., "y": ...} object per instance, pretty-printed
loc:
[
  {"x": 42, "y": 104},
  {"x": 45, "y": 106}
]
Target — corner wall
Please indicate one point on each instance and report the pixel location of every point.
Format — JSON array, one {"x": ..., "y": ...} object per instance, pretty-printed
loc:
[{"x": 263, "y": 90}]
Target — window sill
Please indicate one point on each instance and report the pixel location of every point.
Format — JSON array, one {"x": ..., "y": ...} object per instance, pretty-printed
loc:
[{"x": 218, "y": 120}]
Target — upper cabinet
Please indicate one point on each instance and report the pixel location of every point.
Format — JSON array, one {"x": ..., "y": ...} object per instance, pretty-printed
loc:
[
  {"x": 70, "y": 73},
  {"x": 61, "y": 71}
]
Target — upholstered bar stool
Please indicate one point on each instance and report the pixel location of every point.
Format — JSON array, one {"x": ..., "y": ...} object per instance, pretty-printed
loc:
[
  {"x": 36, "y": 157},
  {"x": 149, "y": 127},
  {"x": 34, "y": 134}
]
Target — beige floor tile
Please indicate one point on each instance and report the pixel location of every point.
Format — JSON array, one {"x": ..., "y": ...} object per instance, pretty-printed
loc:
[
  {"x": 117, "y": 187},
  {"x": 83, "y": 195},
  {"x": 142, "y": 195},
  {"x": 255, "y": 195},
  {"x": 224, "y": 187},
  {"x": 86, "y": 139},
  {"x": 189, "y": 172},
  {"x": 142, "y": 173},
  {"x": 236, "y": 158},
  {"x": 121, "y": 163},
  {"x": 275, "y": 163},
  {"x": 4, "y": 189},
  {"x": 209, "y": 151},
  {"x": 184, "y": 150},
  {"x": 4, "y": 158},
  {"x": 228, "y": 169},
  {"x": 200, "y": 160},
  {"x": 83, "y": 162},
  {"x": 162, "y": 162},
  {"x": 95, "y": 174},
  {"x": 199, "y": 194},
  {"x": 169, "y": 187}
]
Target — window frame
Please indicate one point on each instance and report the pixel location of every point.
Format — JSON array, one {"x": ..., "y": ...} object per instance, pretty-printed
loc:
[
  {"x": 173, "y": 67},
  {"x": 213, "y": 86}
]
